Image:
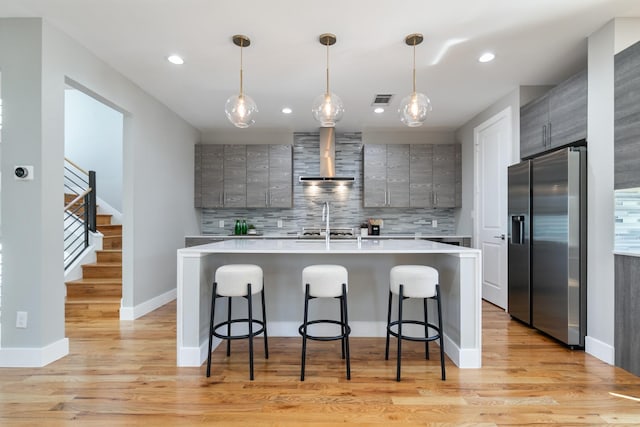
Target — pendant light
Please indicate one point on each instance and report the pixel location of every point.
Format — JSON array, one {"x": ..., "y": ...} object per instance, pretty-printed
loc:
[
  {"x": 327, "y": 108},
  {"x": 414, "y": 107},
  {"x": 240, "y": 108}
]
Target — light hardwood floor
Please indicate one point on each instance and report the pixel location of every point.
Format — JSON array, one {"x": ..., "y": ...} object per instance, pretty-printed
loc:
[{"x": 124, "y": 373}]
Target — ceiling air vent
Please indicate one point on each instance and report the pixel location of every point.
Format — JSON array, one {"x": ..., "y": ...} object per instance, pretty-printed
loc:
[{"x": 382, "y": 99}]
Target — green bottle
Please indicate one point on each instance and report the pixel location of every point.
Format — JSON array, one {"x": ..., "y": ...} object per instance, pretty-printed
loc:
[
  {"x": 244, "y": 226},
  {"x": 238, "y": 230}
]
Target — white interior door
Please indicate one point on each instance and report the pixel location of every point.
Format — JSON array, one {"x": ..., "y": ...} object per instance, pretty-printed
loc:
[{"x": 492, "y": 154}]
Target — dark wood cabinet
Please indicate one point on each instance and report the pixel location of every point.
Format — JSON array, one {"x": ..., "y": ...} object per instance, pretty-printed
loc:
[
  {"x": 556, "y": 119},
  {"x": 627, "y": 118}
]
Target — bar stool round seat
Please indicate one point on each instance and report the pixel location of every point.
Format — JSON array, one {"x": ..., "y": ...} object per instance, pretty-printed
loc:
[
  {"x": 238, "y": 280},
  {"x": 325, "y": 281},
  {"x": 414, "y": 281}
]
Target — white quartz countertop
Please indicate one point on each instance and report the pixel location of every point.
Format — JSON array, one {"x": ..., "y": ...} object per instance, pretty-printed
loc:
[
  {"x": 295, "y": 236},
  {"x": 341, "y": 246}
]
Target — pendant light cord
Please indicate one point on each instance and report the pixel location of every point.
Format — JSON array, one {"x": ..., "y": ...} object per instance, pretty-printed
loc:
[
  {"x": 328, "y": 68},
  {"x": 414, "y": 65},
  {"x": 241, "y": 48}
]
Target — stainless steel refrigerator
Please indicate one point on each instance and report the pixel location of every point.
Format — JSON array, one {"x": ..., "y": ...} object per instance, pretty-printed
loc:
[{"x": 547, "y": 244}]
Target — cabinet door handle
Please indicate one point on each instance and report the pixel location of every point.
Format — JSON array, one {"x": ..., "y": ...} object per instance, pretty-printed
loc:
[
  {"x": 549, "y": 137},
  {"x": 389, "y": 204},
  {"x": 385, "y": 198},
  {"x": 544, "y": 135},
  {"x": 266, "y": 198},
  {"x": 435, "y": 199}
]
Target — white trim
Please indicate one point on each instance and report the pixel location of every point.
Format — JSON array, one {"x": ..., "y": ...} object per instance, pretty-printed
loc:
[
  {"x": 463, "y": 358},
  {"x": 33, "y": 357},
  {"x": 132, "y": 313},
  {"x": 600, "y": 350}
]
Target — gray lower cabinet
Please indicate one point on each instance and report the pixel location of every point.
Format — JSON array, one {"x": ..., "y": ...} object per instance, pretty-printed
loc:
[
  {"x": 415, "y": 175},
  {"x": 627, "y": 118},
  {"x": 627, "y": 315},
  {"x": 238, "y": 176},
  {"x": 386, "y": 175},
  {"x": 556, "y": 119}
]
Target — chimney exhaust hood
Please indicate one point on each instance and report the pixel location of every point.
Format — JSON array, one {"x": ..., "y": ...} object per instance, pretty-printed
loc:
[{"x": 327, "y": 160}]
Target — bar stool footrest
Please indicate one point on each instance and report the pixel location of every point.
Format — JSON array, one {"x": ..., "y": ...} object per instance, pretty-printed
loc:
[
  {"x": 259, "y": 331},
  {"x": 412, "y": 338},
  {"x": 325, "y": 338}
]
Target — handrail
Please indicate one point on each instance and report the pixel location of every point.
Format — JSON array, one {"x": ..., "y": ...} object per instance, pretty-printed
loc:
[
  {"x": 80, "y": 196},
  {"x": 76, "y": 166}
]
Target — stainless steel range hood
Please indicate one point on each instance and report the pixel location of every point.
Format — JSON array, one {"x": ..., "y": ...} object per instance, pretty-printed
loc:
[{"x": 327, "y": 160}]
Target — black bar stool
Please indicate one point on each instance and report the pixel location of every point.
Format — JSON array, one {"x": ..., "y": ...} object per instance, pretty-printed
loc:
[
  {"x": 238, "y": 280},
  {"x": 325, "y": 281},
  {"x": 414, "y": 281}
]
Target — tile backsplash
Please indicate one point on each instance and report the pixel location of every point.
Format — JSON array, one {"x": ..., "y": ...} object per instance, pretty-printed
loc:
[
  {"x": 345, "y": 200},
  {"x": 627, "y": 214}
]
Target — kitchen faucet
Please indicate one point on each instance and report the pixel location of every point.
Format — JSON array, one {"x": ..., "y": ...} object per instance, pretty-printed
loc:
[{"x": 325, "y": 217}]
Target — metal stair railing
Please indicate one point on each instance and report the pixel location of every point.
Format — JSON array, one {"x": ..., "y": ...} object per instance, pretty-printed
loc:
[{"x": 80, "y": 213}]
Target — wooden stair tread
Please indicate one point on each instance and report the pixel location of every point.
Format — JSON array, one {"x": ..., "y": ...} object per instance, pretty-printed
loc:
[
  {"x": 103, "y": 264},
  {"x": 95, "y": 300},
  {"x": 109, "y": 250},
  {"x": 96, "y": 281}
]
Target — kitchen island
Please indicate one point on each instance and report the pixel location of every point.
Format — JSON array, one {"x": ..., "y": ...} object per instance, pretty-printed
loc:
[{"x": 368, "y": 262}]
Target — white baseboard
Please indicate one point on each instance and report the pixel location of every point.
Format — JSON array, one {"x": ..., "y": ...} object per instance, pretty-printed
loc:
[
  {"x": 33, "y": 357},
  {"x": 599, "y": 349},
  {"x": 132, "y": 313}
]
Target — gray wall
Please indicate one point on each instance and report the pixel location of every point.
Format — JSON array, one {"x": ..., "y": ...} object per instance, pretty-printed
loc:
[
  {"x": 346, "y": 201},
  {"x": 93, "y": 140},
  {"x": 35, "y": 59}
]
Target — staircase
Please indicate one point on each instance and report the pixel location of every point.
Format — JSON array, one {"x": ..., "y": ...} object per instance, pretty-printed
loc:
[{"x": 99, "y": 292}]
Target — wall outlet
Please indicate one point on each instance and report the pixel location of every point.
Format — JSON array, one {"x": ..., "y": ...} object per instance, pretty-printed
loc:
[
  {"x": 221, "y": 223},
  {"x": 21, "y": 319},
  {"x": 279, "y": 223},
  {"x": 434, "y": 223}
]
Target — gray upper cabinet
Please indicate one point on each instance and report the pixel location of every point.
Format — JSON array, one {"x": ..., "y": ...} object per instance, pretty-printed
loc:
[
  {"x": 421, "y": 176},
  {"x": 235, "y": 176},
  {"x": 269, "y": 174},
  {"x": 416, "y": 175},
  {"x": 280, "y": 193},
  {"x": 386, "y": 175},
  {"x": 556, "y": 119},
  {"x": 257, "y": 176},
  {"x": 444, "y": 175},
  {"x": 238, "y": 176},
  {"x": 627, "y": 118},
  {"x": 209, "y": 178}
]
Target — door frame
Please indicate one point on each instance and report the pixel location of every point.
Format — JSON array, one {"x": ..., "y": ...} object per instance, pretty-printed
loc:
[{"x": 505, "y": 113}]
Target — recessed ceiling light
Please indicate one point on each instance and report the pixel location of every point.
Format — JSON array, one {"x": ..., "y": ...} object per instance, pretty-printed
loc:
[
  {"x": 378, "y": 110},
  {"x": 486, "y": 57},
  {"x": 175, "y": 59},
  {"x": 287, "y": 110}
]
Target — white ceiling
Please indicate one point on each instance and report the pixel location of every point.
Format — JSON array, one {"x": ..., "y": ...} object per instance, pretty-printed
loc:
[{"x": 536, "y": 42}]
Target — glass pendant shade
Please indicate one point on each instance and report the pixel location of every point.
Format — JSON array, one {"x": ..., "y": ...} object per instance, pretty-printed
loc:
[
  {"x": 240, "y": 110},
  {"x": 327, "y": 109},
  {"x": 414, "y": 109}
]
